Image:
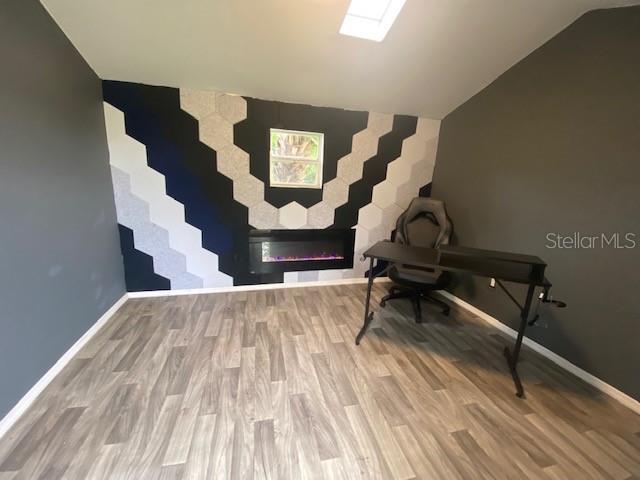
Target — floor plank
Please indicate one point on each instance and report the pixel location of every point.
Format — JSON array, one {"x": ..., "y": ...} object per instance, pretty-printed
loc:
[{"x": 270, "y": 385}]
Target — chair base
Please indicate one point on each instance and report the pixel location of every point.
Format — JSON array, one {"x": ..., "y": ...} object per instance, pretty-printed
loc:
[{"x": 415, "y": 296}]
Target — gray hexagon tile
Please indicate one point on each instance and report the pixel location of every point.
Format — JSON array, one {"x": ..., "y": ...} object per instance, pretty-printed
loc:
[
  {"x": 248, "y": 190},
  {"x": 263, "y": 215},
  {"x": 335, "y": 192},
  {"x": 133, "y": 212},
  {"x": 350, "y": 168},
  {"x": 380, "y": 123},
  {"x": 197, "y": 103},
  {"x": 233, "y": 162},
  {"x": 293, "y": 215},
  {"x": 232, "y": 108},
  {"x": 320, "y": 215},
  {"x": 216, "y": 132},
  {"x": 370, "y": 216},
  {"x": 364, "y": 145}
]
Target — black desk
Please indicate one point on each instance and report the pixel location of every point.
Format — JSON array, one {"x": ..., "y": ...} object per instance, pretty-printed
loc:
[{"x": 503, "y": 266}]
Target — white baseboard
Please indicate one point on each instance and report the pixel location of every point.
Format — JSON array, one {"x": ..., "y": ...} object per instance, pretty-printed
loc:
[
  {"x": 247, "y": 288},
  {"x": 23, "y": 404},
  {"x": 601, "y": 385}
]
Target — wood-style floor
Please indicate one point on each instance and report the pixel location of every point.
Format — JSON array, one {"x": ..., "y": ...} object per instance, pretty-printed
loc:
[{"x": 269, "y": 384}]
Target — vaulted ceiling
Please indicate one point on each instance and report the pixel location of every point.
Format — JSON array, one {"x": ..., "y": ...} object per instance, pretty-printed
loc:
[{"x": 437, "y": 54}]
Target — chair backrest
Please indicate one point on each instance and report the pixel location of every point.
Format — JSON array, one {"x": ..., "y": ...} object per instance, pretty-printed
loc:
[{"x": 424, "y": 224}]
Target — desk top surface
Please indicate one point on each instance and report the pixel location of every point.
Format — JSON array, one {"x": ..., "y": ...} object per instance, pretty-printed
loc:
[
  {"x": 397, "y": 252},
  {"x": 492, "y": 254},
  {"x": 488, "y": 263}
]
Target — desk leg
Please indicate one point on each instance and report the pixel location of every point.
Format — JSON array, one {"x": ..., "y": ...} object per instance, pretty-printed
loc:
[
  {"x": 368, "y": 316},
  {"x": 512, "y": 357}
]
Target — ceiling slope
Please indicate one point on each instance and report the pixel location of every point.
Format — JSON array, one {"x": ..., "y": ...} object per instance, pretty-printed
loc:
[{"x": 437, "y": 54}]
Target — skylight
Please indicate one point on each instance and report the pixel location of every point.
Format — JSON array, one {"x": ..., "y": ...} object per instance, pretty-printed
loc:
[{"x": 370, "y": 19}]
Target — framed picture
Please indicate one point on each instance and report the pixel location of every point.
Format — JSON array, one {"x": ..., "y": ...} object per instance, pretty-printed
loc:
[{"x": 295, "y": 158}]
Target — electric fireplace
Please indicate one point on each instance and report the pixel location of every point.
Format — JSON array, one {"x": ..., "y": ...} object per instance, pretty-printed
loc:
[{"x": 273, "y": 251}]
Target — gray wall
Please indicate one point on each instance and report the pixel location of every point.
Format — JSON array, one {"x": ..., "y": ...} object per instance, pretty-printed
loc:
[
  {"x": 60, "y": 261},
  {"x": 553, "y": 145}
]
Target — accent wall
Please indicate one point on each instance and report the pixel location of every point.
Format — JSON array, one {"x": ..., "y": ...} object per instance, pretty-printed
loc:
[{"x": 190, "y": 172}]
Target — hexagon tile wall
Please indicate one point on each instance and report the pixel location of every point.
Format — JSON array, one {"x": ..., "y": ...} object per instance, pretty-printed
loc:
[{"x": 190, "y": 176}]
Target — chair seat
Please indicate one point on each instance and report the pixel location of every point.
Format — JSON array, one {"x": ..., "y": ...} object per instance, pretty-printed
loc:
[{"x": 425, "y": 278}]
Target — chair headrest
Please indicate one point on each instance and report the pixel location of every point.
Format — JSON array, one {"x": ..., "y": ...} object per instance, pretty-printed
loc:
[{"x": 425, "y": 208}]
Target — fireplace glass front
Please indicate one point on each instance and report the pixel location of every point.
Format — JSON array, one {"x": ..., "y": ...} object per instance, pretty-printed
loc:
[{"x": 295, "y": 250}]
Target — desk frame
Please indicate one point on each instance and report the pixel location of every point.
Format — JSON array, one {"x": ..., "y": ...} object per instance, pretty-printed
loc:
[{"x": 512, "y": 356}]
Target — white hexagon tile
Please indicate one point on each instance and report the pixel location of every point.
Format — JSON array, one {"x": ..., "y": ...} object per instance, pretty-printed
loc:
[
  {"x": 405, "y": 193},
  {"x": 370, "y": 216},
  {"x": 398, "y": 172},
  {"x": 381, "y": 232},
  {"x": 384, "y": 194},
  {"x": 290, "y": 277},
  {"x": 414, "y": 149},
  {"x": 421, "y": 172},
  {"x": 362, "y": 239},
  {"x": 293, "y": 215},
  {"x": 362, "y": 242},
  {"x": 390, "y": 216},
  {"x": 428, "y": 128}
]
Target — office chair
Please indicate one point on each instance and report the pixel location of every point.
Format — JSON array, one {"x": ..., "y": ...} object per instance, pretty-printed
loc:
[{"x": 425, "y": 224}]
